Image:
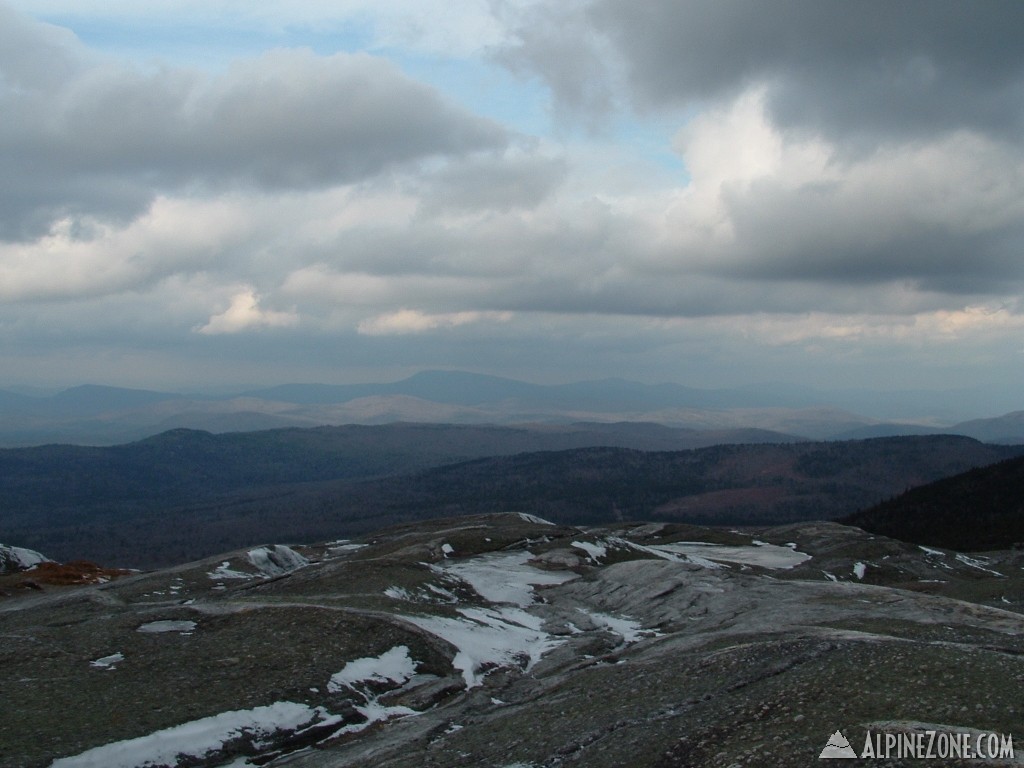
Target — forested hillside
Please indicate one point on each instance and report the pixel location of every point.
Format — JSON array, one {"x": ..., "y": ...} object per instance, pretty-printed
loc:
[
  {"x": 978, "y": 510},
  {"x": 184, "y": 495}
]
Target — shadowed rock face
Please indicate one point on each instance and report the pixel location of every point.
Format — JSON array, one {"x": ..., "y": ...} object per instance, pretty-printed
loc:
[{"x": 501, "y": 640}]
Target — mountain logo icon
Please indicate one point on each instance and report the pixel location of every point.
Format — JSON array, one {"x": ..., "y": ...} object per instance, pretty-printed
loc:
[{"x": 837, "y": 746}]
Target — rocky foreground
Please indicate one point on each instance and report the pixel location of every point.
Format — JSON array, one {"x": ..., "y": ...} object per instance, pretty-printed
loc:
[{"x": 503, "y": 640}]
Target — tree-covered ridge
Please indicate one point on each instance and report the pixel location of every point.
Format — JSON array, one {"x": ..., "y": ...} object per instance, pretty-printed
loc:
[
  {"x": 184, "y": 495},
  {"x": 980, "y": 509}
]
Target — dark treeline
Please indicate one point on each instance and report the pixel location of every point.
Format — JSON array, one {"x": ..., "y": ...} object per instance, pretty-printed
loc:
[
  {"x": 981, "y": 509},
  {"x": 184, "y": 495}
]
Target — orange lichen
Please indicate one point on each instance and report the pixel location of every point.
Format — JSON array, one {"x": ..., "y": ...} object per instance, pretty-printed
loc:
[{"x": 76, "y": 572}]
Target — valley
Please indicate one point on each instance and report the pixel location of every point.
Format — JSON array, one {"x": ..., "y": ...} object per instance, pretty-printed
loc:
[{"x": 185, "y": 494}]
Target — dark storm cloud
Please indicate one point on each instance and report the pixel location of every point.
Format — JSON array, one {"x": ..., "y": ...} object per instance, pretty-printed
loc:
[
  {"x": 915, "y": 109},
  {"x": 82, "y": 135},
  {"x": 957, "y": 242},
  {"x": 874, "y": 67}
]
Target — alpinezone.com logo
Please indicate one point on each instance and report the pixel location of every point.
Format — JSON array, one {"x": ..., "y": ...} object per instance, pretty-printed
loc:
[{"x": 922, "y": 743}]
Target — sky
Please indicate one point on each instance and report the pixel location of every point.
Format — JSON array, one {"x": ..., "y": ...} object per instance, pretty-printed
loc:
[{"x": 216, "y": 194}]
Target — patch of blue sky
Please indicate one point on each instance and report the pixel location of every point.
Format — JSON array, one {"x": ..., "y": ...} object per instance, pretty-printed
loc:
[
  {"x": 523, "y": 104},
  {"x": 484, "y": 88},
  {"x": 652, "y": 140},
  {"x": 203, "y": 45}
]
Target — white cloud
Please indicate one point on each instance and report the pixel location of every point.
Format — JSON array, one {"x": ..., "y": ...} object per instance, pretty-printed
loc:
[
  {"x": 93, "y": 136},
  {"x": 246, "y": 314},
  {"x": 764, "y": 203},
  {"x": 407, "y": 321},
  {"x": 85, "y": 257},
  {"x": 163, "y": 204}
]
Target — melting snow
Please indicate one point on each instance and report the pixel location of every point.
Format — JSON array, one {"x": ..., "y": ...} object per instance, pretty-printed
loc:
[
  {"x": 276, "y": 559},
  {"x": 930, "y": 551},
  {"x": 398, "y": 593},
  {"x": 594, "y": 551},
  {"x": 155, "y": 627},
  {"x": 396, "y": 666},
  {"x": 505, "y": 577},
  {"x": 765, "y": 555},
  {"x": 667, "y": 552},
  {"x": 501, "y": 635},
  {"x": 108, "y": 662},
  {"x": 200, "y": 739},
  {"x": 345, "y": 547},
  {"x": 976, "y": 563},
  {"x": 22, "y": 558},
  {"x": 859, "y": 569},
  {"x": 442, "y": 592},
  {"x": 534, "y": 519},
  {"x": 490, "y": 636},
  {"x": 629, "y": 630},
  {"x": 224, "y": 571}
]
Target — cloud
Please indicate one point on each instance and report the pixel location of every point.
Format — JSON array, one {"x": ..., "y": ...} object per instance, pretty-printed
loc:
[
  {"x": 723, "y": 185},
  {"x": 246, "y": 314},
  {"x": 435, "y": 27},
  {"x": 560, "y": 42},
  {"x": 944, "y": 212},
  {"x": 518, "y": 178},
  {"x": 84, "y": 135},
  {"x": 81, "y": 258},
  {"x": 407, "y": 321},
  {"x": 873, "y": 69}
]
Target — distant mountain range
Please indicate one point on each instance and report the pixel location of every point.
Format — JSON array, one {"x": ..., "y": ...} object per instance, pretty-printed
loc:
[{"x": 99, "y": 415}]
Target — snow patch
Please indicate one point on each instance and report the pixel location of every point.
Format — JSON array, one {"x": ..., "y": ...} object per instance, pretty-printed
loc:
[
  {"x": 930, "y": 551},
  {"x": 594, "y": 551},
  {"x": 224, "y": 571},
  {"x": 448, "y": 596},
  {"x": 505, "y": 577},
  {"x": 19, "y": 558},
  {"x": 395, "y": 666},
  {"x": 859, "y": 569},
  {"x": 277, "y": 559},
  {"x": 976, "y": 563},
  {"x": 769, "y": 556},
  {"x": 498, "y": 636},
  {"x": 398, "y": 593},
  {"x": 108, "y": 662},
  {"x": 447, "y": 549},
  {"x": 628, "y": 629},
  {"x": 663, "y": 551},
  {"x": 485, "y": 637},
  {"x": 344, "y": 546},
  {"x": 157, "y": 627},
  {"x": 534, "y": 519},
  {"x": 202, "y": 739}
]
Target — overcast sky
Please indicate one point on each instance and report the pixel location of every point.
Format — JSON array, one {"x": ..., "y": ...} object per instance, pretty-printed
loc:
[{"x": 212, "y": 193}]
